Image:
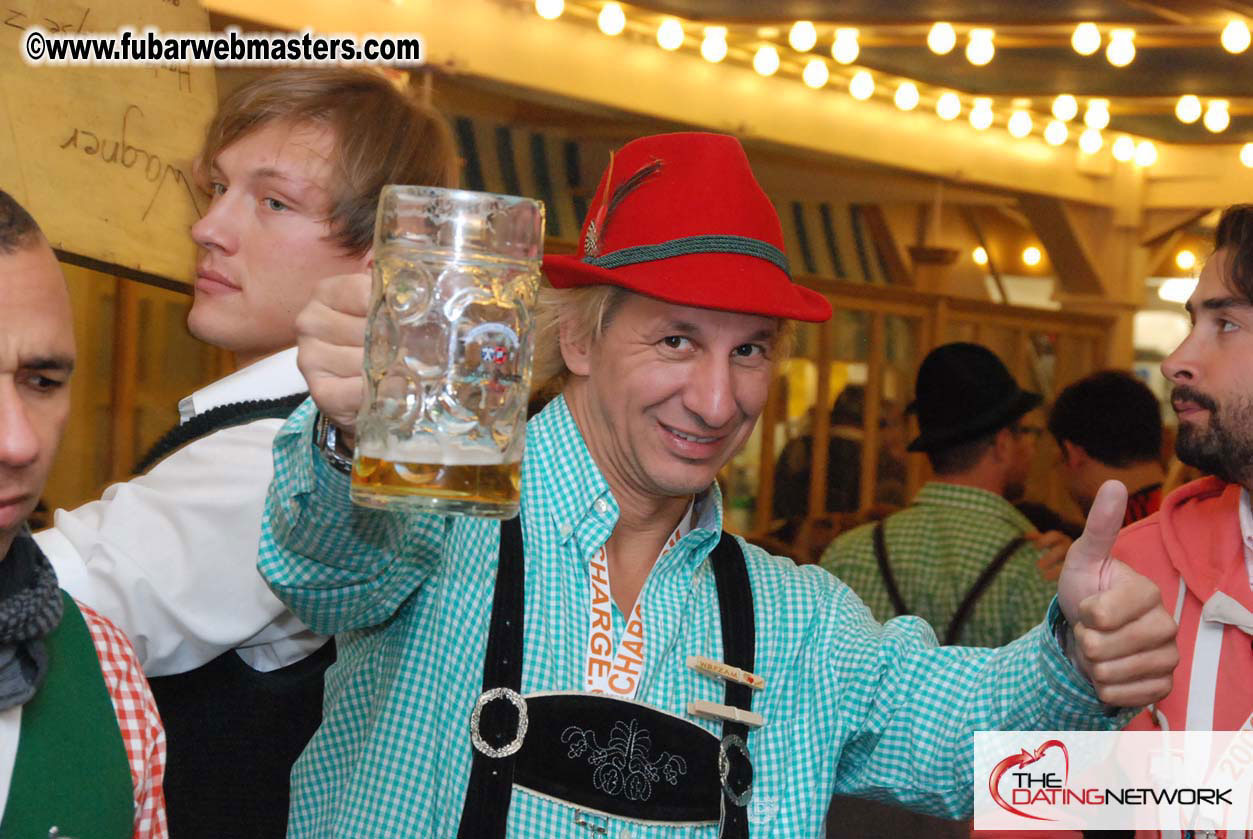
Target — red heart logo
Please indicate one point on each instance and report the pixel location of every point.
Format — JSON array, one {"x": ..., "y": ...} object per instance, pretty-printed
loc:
[{"x": 1025, "y": 758}]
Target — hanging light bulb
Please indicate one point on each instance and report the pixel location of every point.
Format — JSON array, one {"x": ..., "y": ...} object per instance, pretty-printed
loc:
[
  {"x": 942, "y": 38},
  {"x": 1146, "y": 153},
  {"x": 979, "y": 47},
  {"x": 549, "y": 9},
  {"x": 766, "y": 61},
  {"x": 862, "y": 85},
  {"x": 1097, "y": 114},
  {"x": 1020, "y": 124},
  {"x": 1217, "y": 117},
  {"x": 1236, "y": 37},
  {"x": 1188, "y": 109},
  {"x": 1122, "y": 48},
  {"x": 906, "y": 97},
  {"x": 611, "y": 20},
  {"x": 981, "y": 116},
  {"x": 1055, "y": 133},
  {"x": 1032, "y": 255},
  {"x": 1065, "y": 107},
  {"x": 979, "y": 255},
  {"x": 1246, "y": 155},
  {"x": 948, "y": 106},
  {"x": 670, "y": 34},
  {"x": 803, "y": 36},
  {"x": 714, "y": 46},
  {"x": 1087, "y": 39},
  {"x": 816, "y": 74},
  {"x": 1185, "y": 260},
  {"x": 1090, "y": 141},
  {"x": 845, "y": 48},
  {"x": 1124, "y": 149}
]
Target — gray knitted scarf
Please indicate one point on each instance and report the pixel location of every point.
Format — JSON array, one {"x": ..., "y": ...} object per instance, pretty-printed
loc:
[{"x": 30, "y": 608}]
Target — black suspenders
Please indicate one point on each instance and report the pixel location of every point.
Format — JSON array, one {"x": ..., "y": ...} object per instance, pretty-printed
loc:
[
  {"x": 497, "y": 715},
  {"x": 962, "y": 615}
]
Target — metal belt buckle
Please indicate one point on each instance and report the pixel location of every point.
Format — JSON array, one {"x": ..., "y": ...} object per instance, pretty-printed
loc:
[
  {"x": 476, "y": 738},
  {"x": 734, "y": 741}
]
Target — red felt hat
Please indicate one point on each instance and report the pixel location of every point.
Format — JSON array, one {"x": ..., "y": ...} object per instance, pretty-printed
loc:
[{"x": 680, "y": 217}]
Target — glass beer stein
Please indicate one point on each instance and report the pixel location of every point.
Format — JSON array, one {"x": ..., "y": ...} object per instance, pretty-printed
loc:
[{"x": 448, "y": 351}]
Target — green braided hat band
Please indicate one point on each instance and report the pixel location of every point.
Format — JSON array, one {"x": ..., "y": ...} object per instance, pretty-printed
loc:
[{"x": 711, "y": 243}]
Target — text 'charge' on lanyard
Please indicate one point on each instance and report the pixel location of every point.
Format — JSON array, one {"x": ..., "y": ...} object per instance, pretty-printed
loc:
[{"x": 617, "y": 673}]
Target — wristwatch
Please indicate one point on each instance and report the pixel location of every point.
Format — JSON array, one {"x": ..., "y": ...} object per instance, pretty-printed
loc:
[{"x": 326, "y": 441}]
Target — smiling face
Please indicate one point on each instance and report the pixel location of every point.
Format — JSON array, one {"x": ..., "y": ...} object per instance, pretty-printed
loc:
[
  {"x": 1212, "y": 371},
  {"x": 265, "y": 239},
  {"x": 668, "y": 394},
  {"x": 36, "y": 357}
]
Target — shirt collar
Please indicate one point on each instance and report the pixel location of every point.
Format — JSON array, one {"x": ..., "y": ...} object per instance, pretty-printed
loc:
[
  {"x": 273, "y": 376},
  {"x": 578, "y": 497},
  {"x": 939, "y": 493}
]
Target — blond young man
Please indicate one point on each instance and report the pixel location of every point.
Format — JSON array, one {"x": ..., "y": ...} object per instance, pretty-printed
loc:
[{"x": 294, "y": 163}]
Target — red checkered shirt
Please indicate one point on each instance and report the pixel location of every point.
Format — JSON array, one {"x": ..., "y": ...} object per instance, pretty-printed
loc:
[{"x": 138, "y": 720}]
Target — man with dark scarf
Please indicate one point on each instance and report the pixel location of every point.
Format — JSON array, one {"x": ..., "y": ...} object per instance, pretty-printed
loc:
[{"x": 82, "y": 750}]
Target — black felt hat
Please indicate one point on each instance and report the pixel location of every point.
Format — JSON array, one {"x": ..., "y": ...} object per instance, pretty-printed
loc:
[{"x": 963, "y": 392}]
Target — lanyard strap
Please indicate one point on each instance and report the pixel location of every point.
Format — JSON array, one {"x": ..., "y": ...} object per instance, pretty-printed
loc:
[
  {"x": 609, "y": 671},
  {"x": 497, "y": 718}
]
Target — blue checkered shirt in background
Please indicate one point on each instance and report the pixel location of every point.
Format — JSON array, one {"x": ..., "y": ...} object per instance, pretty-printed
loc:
[{"x": 850, "y": 705}]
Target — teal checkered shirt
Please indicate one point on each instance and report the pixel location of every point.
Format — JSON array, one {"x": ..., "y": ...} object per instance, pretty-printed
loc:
[
  {"x": 850, "y": 705},
  {"x": 937, "y": 548}
]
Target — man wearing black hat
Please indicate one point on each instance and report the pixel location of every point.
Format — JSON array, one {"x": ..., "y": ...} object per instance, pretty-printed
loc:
[{"x": 961, "y": 556}]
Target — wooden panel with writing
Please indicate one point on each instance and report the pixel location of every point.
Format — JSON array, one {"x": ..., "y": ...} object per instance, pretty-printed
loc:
[{"x": 101, "y": 155}]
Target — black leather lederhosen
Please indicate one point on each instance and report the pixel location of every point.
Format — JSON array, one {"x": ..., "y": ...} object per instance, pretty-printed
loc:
[
  {"x": 608, "y": 756},
  {"x": 967, "y": 605}
]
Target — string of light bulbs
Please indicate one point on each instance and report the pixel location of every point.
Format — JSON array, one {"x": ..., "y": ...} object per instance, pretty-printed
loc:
[{"x": 942, "y": 38}]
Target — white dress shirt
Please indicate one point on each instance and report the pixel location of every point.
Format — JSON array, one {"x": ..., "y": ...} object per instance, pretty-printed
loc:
[{"x": 170, "y": 556}]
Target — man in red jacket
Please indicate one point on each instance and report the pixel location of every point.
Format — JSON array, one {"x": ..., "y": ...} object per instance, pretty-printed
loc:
[{"x": 1199, "y": 547}]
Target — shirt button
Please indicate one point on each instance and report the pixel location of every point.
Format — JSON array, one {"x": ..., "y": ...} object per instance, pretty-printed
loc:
[
  {"x": 602, "y": 506},
  {"x": 565, "y": 530}
]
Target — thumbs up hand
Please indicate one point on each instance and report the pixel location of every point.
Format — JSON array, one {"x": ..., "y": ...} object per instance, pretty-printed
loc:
[{"x": 1123, "y": 637}]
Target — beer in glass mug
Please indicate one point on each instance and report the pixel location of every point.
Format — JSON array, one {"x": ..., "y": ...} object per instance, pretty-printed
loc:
[{"x": 448, "y": 351}]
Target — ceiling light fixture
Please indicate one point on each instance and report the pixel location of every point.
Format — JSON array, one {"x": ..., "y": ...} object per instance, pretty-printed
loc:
[
  {"x": 1065, "y": 107},
  {"x": 979, "y": 47},
  {"x": 845, "y": 48},
  {"x": 816, "y": 73},
  {"x": 1217, "y": 117},
  {"x": 1188, "y": 109},
  {"x": 670, "y": 34},
  {"x": 1020, "y": 124},
  {"x": 1146, "y": 153},
  {"x": 549, "y": 9},
  {"x": 1124, "y": 149},
  {"x": 942, "y": 38},
  {"x": 861, "y": 86},
  {"x": 1236, "y": 37},
  {"x": 1097, "y": 114},
  {"x": 611, "y": 20},
  {"x": 714, "y": 47},
  {"x": 948, "y": 106},
  {"x": 1122, "y": 48},
  {"x": 803, "y": 36},
  {"x": 1087, "y": 39},
  {"x": 906, "y": 97},
  {"x": 766, "y": 61}
]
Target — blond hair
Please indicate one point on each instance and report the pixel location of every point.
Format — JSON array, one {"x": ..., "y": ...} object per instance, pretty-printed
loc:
[{"x": 382, "y": 136}]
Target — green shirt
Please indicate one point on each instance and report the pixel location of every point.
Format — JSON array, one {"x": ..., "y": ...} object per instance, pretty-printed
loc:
[
  {"x": 937, "y": 548},
  {"x": 850, "y": 705}
]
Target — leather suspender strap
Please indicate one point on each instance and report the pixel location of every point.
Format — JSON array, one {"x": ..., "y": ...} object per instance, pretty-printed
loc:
[
  {"x": 885, "y": 571},
  {"x": 981, "y": 584},
  {"x": 735, "y": 606},
  {"x": 486, "y": 808},
  {"x": 967, "y": 605}
]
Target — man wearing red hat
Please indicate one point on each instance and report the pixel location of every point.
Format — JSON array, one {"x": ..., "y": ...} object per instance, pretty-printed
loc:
[{"x": 642, "y": 673}]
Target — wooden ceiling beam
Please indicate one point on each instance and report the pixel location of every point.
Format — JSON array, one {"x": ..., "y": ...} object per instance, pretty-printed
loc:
[{"x": 1061, "y": 235}]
